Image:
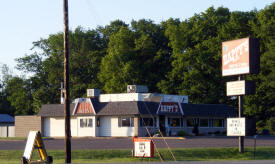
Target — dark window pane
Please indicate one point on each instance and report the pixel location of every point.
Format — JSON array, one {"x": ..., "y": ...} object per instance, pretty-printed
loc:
[
  {"x": 190, "y": 122},
  {"x": 90, "y": 122},
  {"x": 218, "y": 123},
  {"x": 203, "y": 122},
  {"x": 81, "y": 123},
  {"x": 146, "y": 122},
  {"x": 175, "y": 122},
  {"x": 125, "y": 121}
]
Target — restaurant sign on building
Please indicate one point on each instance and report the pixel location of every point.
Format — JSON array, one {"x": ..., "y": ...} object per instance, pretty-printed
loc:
[{"x": 169, "y": 108}]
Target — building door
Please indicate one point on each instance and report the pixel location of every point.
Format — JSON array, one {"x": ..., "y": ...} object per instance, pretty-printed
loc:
[
  {"x": 105, "y": 126},
  {"x": 162, "y": 127}
]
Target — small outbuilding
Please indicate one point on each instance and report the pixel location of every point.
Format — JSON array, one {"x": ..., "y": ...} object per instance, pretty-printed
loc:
[{"x": 6, "y": 125}]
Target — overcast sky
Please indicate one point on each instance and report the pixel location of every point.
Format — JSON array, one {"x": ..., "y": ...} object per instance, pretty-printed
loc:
[{"x": 23, "y": 22}]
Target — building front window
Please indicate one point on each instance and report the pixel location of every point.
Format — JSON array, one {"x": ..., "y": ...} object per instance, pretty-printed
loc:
[
  {"x": 126, "y": 121},
  {"x": 147, "y": 122},
  {"x": 217, "y": 123},
  {"x": 190, "y": 122},
  {"x": 175, "y": 122},
  {"x": 204, "y": 122},
  {"x": 86, "y": 122}
]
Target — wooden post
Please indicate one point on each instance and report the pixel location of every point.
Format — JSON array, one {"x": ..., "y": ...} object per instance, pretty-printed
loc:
[{"x": 67, "y": 138}]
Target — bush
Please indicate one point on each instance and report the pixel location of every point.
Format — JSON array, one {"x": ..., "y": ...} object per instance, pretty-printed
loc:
[
  {"x": 270, "y": 125},
  {"x": 217, "y": 132},
  {"x": 182, "y": 133}
]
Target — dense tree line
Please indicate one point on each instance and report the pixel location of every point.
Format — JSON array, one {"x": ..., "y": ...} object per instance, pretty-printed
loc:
[{"x": 174, "y": 57}]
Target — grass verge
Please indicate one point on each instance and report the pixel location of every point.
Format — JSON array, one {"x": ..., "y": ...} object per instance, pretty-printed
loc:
[{"x": 183, "y": 154}]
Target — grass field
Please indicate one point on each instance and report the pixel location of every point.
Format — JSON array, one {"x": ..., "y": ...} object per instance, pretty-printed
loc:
[{"x": 184, "y": 154}]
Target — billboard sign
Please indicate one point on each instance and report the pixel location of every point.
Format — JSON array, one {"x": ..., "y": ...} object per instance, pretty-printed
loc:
[
  {"x": 236, "y": 126},
  {"x": 240, "y": 57}
]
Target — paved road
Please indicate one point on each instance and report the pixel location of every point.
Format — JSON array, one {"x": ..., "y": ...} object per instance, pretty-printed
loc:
[{"x": 126, "y": 143}]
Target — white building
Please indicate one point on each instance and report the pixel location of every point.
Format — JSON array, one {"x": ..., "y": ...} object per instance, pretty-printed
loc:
[{"x": 129, "y": 114}]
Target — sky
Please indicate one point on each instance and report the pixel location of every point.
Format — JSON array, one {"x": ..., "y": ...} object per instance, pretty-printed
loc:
[{"x": 23, "y": 22}]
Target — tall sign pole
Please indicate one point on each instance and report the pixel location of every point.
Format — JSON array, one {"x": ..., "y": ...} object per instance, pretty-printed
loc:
[
  {"x": 241, "y": 138},
  {"x": 240, "y": 57},
  {"x": 67, "y": 138}
]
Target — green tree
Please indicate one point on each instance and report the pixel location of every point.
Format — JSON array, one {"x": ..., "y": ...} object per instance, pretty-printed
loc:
[
  {"x": 262, "y": 104},
  {"x": 5, "y": 75},
  {"x": 116, "y": 69},
  {"x": 46, "y": 65},
  {"x": 20, "y": 96},
  {"x": 136, "y": 55},
  {"x": 196, "y": 45}
]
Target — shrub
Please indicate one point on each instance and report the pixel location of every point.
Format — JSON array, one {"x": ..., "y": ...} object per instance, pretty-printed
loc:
[
  {"x": 182, "y": 133},
  {"x": 270, "y": 125},
  {"x": 217, "y": 132}
]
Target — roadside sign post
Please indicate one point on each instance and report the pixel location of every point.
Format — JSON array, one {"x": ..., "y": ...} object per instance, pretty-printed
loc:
[
  {"x": 241, "y": 138},
  {"x": 255, "y": 138},
  {"x": 240, "y": 57}
]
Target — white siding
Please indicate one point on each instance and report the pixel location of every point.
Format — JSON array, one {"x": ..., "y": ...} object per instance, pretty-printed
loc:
[
  {"x": 109, "y": 127},
  {"x": 55, "y": 127},
  {"x": 11, "y": 130},
  {"x": 141, "y": 97},
  {"x": 119, "y": 97}
]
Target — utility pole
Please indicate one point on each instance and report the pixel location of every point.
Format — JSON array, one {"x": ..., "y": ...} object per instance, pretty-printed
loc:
[{"x": 67, "y": 138}]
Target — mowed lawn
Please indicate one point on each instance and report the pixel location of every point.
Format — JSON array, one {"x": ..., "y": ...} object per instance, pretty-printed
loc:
[{"x": 183, "y": 154}]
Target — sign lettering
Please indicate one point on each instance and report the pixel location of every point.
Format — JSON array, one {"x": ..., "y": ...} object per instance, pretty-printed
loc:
[
  {"x": 169, "y": 107},
  {"x": 235, "y": 126}
]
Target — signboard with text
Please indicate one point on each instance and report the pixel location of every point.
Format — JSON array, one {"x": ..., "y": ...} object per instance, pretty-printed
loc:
[
  {"x": 143, "y": 147},
  {"x": 240, "y": 56},
  {"x": 236, "y": 127},
  {"x": 236, "y": 88}
]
